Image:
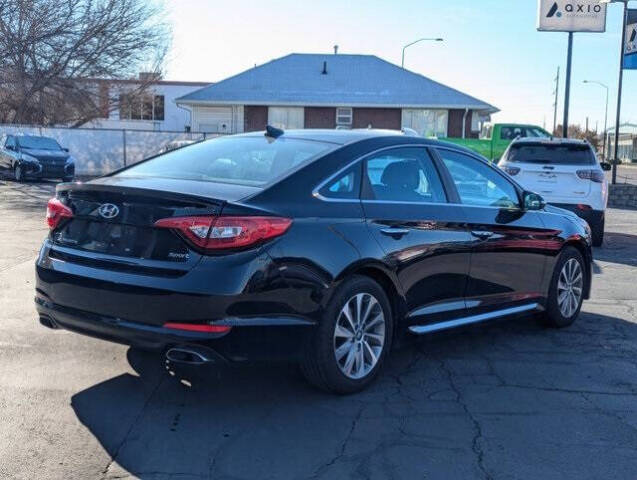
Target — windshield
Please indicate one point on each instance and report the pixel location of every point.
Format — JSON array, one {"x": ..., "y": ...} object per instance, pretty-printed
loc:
[
  {"x": 239, "y": 160},
  {"x": 552, "y": 154},
  {"x": 38, "y": 143}
]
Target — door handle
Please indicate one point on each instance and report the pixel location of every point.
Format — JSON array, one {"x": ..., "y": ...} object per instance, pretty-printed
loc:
[
  {"x": 481, "y": 234},
  {"x": 394, "y": 232}
]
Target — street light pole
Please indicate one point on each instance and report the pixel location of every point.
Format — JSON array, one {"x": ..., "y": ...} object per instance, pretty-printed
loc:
[
  {"x": 402, "y": 64},
  {"x": 605, "y": 114}
]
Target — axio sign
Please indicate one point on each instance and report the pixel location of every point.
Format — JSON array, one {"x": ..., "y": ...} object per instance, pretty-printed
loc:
[{"x": 571, "y": 16}]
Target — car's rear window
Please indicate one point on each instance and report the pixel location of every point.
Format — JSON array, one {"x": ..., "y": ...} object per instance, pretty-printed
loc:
[
  {"x": 551, "y": 154},
  {"x": 239, "y": 160}
]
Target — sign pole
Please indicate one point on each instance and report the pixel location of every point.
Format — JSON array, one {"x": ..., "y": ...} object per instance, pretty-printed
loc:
[
  {"x": 619, "y": 92},
  {"x": 567, "y": 89}
]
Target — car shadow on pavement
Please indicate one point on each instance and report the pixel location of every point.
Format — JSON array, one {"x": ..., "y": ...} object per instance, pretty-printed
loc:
[
  {"x": 264, "y": 421},
  {"x": 618, "y": 248}
]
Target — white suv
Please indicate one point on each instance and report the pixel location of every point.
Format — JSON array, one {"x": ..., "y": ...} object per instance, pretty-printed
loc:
[{"x": 565, "y": 172}]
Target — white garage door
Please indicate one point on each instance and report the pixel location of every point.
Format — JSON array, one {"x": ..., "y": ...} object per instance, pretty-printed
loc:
[{"x": 213, "y": 119}]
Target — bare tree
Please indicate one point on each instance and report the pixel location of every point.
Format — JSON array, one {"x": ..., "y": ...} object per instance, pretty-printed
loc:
[
  {"x": 576, "y": 131},
  {"x": 58, "y": 55}
]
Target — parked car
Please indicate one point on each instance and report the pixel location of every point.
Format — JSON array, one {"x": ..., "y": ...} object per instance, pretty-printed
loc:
[
  {"x": 494, "y": 139},
  {"x": 317, "y": 245},
  {"x": 30, "y": 156},
  {"x": 566, "y": 173}
]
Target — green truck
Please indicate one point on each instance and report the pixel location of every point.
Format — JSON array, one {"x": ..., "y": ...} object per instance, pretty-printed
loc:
[{"x": 494, "y": 139}]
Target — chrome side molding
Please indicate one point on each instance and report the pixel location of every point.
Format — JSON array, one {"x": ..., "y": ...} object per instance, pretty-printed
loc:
[{"x": 458, "y": 322}]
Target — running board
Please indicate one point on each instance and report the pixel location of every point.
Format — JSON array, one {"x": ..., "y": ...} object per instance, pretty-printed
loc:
[{"x": 458, "y": 322}]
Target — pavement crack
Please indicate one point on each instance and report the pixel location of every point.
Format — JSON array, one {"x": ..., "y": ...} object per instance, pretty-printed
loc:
[
  {"x": 477, "y": 437},
  {"x": 130, "y": 429},
  {"x": 341, "y": 452}
]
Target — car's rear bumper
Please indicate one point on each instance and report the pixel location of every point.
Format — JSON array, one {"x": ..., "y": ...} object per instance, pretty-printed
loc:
[
  {"x": 268, "y": 315},
  {"x": 584, "y": 211},
  {"x": 248, "y": 338}
]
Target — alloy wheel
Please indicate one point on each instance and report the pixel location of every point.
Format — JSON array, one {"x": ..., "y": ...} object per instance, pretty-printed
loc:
[
  {"x": 569, "y": 287},
  {"x": 359, "y": 335}
]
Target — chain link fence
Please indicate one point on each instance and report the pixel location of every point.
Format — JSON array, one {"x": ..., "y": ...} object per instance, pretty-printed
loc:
[{"x": 100, "y": 151}]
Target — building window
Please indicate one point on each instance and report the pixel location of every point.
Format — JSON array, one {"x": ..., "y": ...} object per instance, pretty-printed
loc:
[
  {"x": 428, "y": 123},
  {"x": 344, "y": 117},
  {"x": 286, "y": 117},
  {"x": 142, "y": 107}
]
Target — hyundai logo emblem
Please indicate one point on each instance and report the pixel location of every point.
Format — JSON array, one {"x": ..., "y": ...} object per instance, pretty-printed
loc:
[{"x": 108, "y": 210}]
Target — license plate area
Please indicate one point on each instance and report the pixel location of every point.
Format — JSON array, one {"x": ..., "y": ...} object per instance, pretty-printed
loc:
[{"x": 122, "y": 240}]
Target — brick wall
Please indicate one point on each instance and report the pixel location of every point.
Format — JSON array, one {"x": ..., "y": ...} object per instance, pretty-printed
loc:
[
  {"x": 454, "y": 127},
  {"x": 255, "y": 118},
  {"x": 377, "y": 118},
  {"x": 320, "y": 117},
  {"x": 622, "y": 196}
]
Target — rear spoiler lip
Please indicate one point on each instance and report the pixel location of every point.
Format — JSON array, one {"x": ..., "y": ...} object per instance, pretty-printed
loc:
[{"x": 164, "y": 194}]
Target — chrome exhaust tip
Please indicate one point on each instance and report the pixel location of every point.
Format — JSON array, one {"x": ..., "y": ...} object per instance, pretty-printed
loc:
[{"x": 190, "y": 355}]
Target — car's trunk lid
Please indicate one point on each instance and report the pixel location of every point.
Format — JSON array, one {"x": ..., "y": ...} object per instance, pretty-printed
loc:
[
  {"x": 553, "y": 180},
  {"x": 114, "y": 218}
]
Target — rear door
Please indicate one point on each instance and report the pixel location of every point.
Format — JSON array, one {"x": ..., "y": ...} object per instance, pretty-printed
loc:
[
  {"x": 423, "y": 236},
  {"x": 508, "y": 255}
]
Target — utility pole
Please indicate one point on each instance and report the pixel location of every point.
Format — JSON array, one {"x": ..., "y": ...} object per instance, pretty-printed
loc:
[
  {"x": 557, "y": 88},
  {"x": 567, "y": 88}
]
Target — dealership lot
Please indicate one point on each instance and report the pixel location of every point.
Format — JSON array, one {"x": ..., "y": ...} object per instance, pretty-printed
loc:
[{"x": 510, "y": 400}]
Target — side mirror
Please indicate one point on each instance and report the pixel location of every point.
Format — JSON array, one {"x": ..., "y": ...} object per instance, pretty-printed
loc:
[
  {"x": 10, "y": 147},
  {"x": 533, "y": 201},
  {"x": 66, "y": 150},
  {"x": 605, "y": 166}
]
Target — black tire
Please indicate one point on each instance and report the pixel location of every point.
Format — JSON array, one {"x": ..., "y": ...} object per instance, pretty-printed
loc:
[
  {"x": 554, "y": 316},
  {"x": 597, "y": 232},
  {"x": 319, "y": 364},
  {"x": 18, "y": 173}
]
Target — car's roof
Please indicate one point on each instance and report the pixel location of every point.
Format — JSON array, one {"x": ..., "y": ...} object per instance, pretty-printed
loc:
[
  {"x": 333, "y": 136},
  {"x": 550, "y": 141},
  {"x": 343, "y": 137}
]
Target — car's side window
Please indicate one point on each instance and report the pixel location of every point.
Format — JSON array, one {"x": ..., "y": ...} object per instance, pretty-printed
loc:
[
  {"x": 344, "y": 186},
  {"x": 477, "y": 183},
  {"x": 404, "y": 175}
]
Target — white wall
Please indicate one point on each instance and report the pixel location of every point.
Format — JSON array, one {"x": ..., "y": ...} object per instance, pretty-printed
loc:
[{"x": 176, "y": 119}]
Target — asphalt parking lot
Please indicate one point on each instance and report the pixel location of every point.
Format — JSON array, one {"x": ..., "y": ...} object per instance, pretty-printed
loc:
[{"x": 506, "y": 401}]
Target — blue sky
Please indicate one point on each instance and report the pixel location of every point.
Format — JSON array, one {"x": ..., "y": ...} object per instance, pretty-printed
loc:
[{"x": 491, "y": 49}]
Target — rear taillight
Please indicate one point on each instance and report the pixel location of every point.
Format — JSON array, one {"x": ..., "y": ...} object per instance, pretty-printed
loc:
[
  {"x": 512, "y": 170},
  {"x": 592, "y": 175},
  {"x": 220, "y": 233},
  {"x": 56, "y": 211}
]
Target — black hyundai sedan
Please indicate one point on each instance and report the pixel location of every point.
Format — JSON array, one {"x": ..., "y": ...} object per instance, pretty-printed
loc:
[{"x": 320, "y": 246}]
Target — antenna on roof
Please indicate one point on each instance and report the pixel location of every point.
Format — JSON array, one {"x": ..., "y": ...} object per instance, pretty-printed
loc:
[
  {"x": 273, "y": 132},
  {"x": 335, "y": 49}
]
